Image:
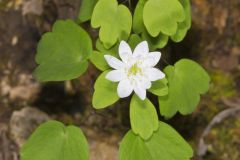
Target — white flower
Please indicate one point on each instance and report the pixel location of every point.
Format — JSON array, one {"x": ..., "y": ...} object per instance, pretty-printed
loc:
[{"x": 136, "y": 70}]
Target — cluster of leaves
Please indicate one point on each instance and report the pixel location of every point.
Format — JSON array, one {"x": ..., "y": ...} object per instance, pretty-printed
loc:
[
  {"x": 173, "y": 20},
  {"x": 153, "y": 20},
  {"x": 54, "y": 141},
  {"x": 64, "y": 54}
]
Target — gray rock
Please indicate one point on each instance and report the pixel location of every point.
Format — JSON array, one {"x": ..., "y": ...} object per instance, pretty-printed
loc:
[{"x": 24, "y": 122}]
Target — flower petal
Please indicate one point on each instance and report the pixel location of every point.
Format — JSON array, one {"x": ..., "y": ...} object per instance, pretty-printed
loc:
[
  {"x": 141, "y": 49},
  {"x": 125, "y": 51},
  {"x": 151, "y": 59},
  {"x": 144, "y": 82},
  {"x": 124, "y": 88},
  {"x": 115, "y": 75},
  {"x": 114, "y": 62},
  {"x": 140, "y": 91},
  {"x": 154, "y": 74}
]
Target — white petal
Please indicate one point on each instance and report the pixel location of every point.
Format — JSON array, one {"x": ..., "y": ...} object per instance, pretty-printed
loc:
[
  {"x": 115, "y": 75},
  {"x": 114, "y": 62},
  {"x": 144, "y": 82},
  {"x": 140, "y": 91},
  {"x": 125, "y": 51},
  {"x": 154, "y": 74},
  {"x": 141, "y": 49},
  {"x": 151, "y": 59},
  {"x": 124, "y": 88}
]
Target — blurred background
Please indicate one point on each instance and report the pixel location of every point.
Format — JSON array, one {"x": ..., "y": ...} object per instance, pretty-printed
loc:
[{"x": 213, "y": 129}]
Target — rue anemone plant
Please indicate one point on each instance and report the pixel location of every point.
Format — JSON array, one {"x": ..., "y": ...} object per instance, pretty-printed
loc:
[{"x": 127, "y": 53}]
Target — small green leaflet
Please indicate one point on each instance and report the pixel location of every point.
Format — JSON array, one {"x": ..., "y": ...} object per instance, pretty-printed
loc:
[
  {"x": 155, "y": 42},
  {"x": 160, "y": 87},
  {"x": 86, "y": 10},
  {"x": 184, "y": 26},
  {"x": 99, "y": 61},
  {"x": 143, "y": 117},
  {"x": 133, "y": 41},
  {"x": 111, "y": 51},
  {"x": 97, "y": 57},
  {"x": 54, "y": 141},
  {"x": 105, "y": 93},
  {"x": 161, "y": 16},
  {"x": 186, "y": 80},
  {"x": 63, "y": 53},
  {"x": 115, "y": 22},
  {"x": 138, "y": 25},
  {"x": 165, "y": 144}
]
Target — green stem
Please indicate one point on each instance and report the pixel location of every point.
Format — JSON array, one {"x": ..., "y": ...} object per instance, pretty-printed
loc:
[{"x": 130, "y": 4}]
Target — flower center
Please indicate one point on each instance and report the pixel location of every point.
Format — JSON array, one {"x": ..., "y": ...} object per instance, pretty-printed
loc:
[{"x": 134, "y": 70}]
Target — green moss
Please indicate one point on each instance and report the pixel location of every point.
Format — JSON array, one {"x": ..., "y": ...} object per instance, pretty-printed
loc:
[
  {"x": 237, "y": 123},
  {"x": 222, "y": 85},
  {"x": 224, "y": 140}
]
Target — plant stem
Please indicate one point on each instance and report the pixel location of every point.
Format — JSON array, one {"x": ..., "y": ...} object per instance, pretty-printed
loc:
[{"x": 130, "y": 4}]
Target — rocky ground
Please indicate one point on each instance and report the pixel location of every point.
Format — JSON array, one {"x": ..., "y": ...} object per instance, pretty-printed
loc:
[{"x": 214, "y": 41}]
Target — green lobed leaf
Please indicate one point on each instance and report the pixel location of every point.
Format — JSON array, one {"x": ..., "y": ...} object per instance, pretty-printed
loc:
[
  {"x": 160, "y": 87},
  {"x": 143, "y": 117},
  {"x": 159, "y": 41},
  {"x": 165, "y": 144},
  {"x": 98, "y": 56},
  {"x": 186, "y": 81},
  {"x": 54, "y": 141},
  {"x": 155, "y": 42},
  {"x": 99, "y": 61},
  {"x": 161, "y": 16},
  {"x": 115, "y": 21},
  {"x": 134, "y": 40},
  {"x": 53, "y": 71},
  {"x": 184, "y": 26},
  {"x": 111, "y": 51},
  {"x": 138, "y": 25},
  {"x": 86, "y": 10},
  {"x": 63, "y": 53},
  {"x": 105, "y": 92}
]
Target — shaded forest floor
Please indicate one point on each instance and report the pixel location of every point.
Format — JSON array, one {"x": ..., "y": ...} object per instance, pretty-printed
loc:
[{"x": 213, "y": 41}]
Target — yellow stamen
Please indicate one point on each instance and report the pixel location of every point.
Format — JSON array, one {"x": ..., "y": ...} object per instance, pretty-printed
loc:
[{"x": 134, "y": 70}]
